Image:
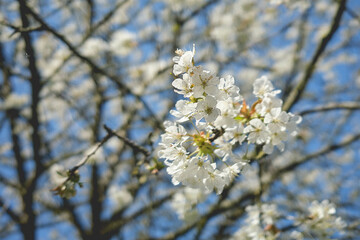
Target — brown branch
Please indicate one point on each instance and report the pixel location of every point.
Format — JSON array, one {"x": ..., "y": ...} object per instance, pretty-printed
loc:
[
  {"x": 72, "y": 174},
  {"x": 16, "y": 148},
  {"x": 28, "y": 226},
  {"x": 332, "y": 106},
  {"x": 67, "y": 188},
  {"x": 96, "y": 192},
  {"x": 297, "y": 91},
  {"x": 197, "y": 11},
  {"x": 11, "y": 184},
  {"x": 347, "y": 141},
  {"x": 114, "y": 225}
]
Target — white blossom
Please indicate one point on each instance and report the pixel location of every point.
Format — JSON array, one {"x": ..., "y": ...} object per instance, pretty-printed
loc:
[
  {"x": 119, "y": 196},
  {"x": 205, "y": 83},
  {"x": 122, "y": 42},
  {"x": 236, "y": 134},
  {"x": 257, "y": 131},
  {"x": 228, "y": 113},
  {"x": 14, "y": 101},
  {"x": 322, "y": 219},
  {"x": 184, "y": 203},
  {"x": 93, "y": 47},
  {"x": 263, "y": 88},
  {"x": 184, "y": 85},
  {"x": 207, "y": 109},
  {"x": 266, "y": 214},
  {"x": 228, "y": 88},
  {"x": 175, "y": 134},
  {"x": 184, "y": 62},
  {"x": 184, "y": 110}
]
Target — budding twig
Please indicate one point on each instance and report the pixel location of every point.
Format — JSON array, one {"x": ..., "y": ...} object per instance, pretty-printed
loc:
[{"x": 67, "y": 188}]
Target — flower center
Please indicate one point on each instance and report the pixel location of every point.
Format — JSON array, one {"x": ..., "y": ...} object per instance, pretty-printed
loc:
[{"x": 203, "y": 144}]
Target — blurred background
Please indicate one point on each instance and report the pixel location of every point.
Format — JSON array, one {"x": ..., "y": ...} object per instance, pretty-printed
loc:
[{"x": 69, "y": 66}]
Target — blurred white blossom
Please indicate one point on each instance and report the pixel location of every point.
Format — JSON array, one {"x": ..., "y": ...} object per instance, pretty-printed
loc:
[
  {"x": 119, "y": 196},
  {"x": 122, "y": 42}
]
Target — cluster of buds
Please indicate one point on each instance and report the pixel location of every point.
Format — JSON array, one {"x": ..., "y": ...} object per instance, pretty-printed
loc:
[{"x": 67, "y": 188}]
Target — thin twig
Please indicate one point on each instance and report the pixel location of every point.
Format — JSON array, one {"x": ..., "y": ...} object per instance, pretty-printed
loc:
[
  {"x": 92, "y": 153},
  {"x": 21, "y": 29},
  {"x": 353, "y": 14},
  {"x": 129, "y": 142}
]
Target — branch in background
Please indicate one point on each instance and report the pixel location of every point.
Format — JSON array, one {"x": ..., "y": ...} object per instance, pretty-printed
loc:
[
  {"x": 70, "y": 209},
  {"x": 130, "y": 143},
  {"x": 67, "y": 188},
  {"x": 124, "y": 88},
  {"x": 297, "y": 91},
  {"x": 14, "y": 216},
  {"x": 21, "y": 29},
  {"x": 347, "y": 141},
  {"x": 113, "y": 226},
  {"x": 332, "y": 106},
  {"x": 296, "y": 62},
  {"x": 353, "y": 14}
]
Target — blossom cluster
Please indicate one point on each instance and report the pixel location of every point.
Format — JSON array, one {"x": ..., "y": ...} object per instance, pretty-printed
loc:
[
  {"x": 258, "y": 216},
  {"x": 204, "y": 157},
  {"x": 322, "y": 219},
  {"x": 184, "y": 203},
  {"x": 261, "y": 223}
]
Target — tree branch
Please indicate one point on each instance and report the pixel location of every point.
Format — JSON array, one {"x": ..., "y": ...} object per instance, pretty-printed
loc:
[
  {"x": 21, "y": 29},
  {"x": 297, "y": 91},
  {"x": 124, "y": 88},
  {"x": 332, "y": 106},
  {"x": 113, "y": 225},
  {"x": 14, "y": 216},
  {"x": 325, "y": 150}
]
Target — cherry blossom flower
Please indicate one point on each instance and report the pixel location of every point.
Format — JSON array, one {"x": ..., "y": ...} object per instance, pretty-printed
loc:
[
  {"x": 263, "y": 88},
  {"x": 184, "y": 110},
  {"x": 228, "y": 88},
  {"x": 184, "y": 62},
  {"x": 205, "y": 83},
  {"x": 184, "y": 85},
  {"x": 258, "y": 133},
  {"x": 207, "y": 109}
]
